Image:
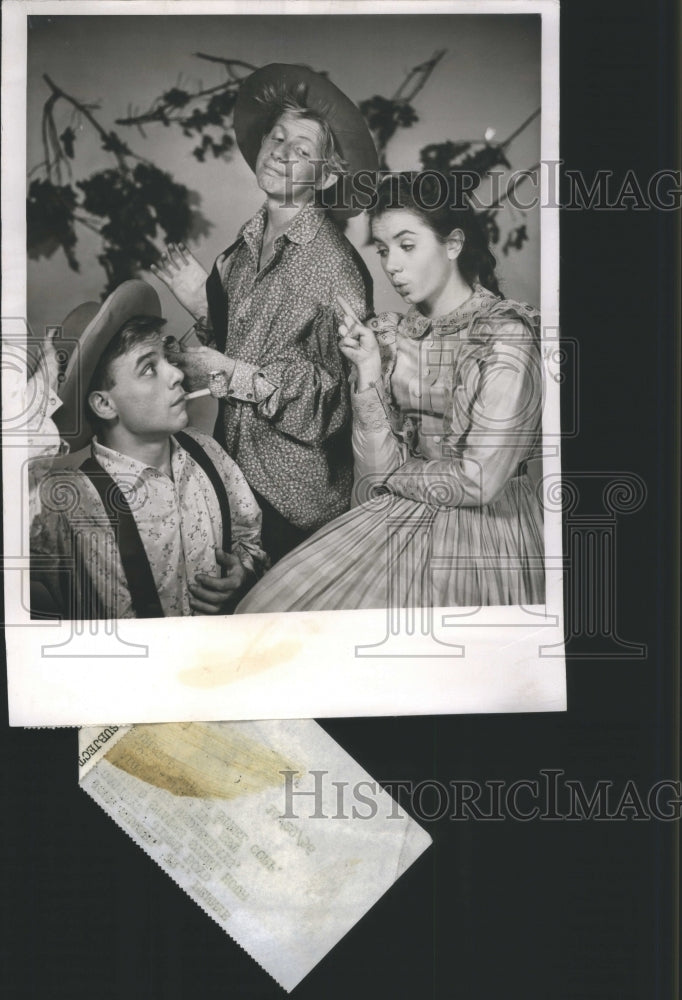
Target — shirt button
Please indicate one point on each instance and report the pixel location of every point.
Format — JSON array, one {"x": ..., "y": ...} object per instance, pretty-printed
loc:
[
  {"x": 249, "y": 395},
  {"x": 436, "y": 439},
  {"x": 427, "y": 371}
]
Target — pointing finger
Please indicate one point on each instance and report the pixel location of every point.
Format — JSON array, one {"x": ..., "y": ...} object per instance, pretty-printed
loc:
[{"x": 347, "y": 309}]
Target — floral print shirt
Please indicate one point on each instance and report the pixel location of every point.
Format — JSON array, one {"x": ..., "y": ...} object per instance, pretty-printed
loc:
[
  {"x": 287, "y": 416},
  {"x": 178, "y": 519}
]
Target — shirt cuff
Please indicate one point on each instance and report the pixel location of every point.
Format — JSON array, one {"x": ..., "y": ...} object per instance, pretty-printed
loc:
[
  {"x": 369, "y": 411},
  {"x": 249, "y": 384}
]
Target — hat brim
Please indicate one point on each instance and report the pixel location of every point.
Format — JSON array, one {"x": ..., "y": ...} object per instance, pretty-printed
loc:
[
  {"x": 252, "y": 117},
  {"x": 95, "y": 326}
]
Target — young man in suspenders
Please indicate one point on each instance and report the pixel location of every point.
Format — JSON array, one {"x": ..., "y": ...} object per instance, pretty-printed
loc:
[{"x": 158, "y": 520}]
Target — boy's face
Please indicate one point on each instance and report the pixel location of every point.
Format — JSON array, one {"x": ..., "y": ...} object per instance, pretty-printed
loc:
[
  {"x": 286, "y": 167},
  {"x": 147, "y": 394}
]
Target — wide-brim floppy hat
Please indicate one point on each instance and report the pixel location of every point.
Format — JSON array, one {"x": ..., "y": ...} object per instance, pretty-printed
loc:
[
  {"x": 253, "y": 116},
  {"x": 93, "y": 325}
]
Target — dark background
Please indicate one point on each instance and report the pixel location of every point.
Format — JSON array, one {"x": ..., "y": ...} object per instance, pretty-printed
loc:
[{"x": 532, "y": 910}]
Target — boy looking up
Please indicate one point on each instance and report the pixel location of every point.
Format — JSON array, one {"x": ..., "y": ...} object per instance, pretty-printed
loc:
[{"x": 159, "y": 521}]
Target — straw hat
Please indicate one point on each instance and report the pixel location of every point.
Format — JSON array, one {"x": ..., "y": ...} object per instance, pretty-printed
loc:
[
  {"x": 252, "y": 117},
  {"x": 93, "y": 325}
]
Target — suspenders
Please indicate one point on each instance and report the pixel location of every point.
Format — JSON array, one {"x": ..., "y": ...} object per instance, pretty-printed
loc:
[
  {"x": 136, "y": 566},
  {"x": 195, "y": 450},
  {"x": 217, "y": 302},
  {"x": 138, "y": 573},
  {"x": 217, "y": 311}
]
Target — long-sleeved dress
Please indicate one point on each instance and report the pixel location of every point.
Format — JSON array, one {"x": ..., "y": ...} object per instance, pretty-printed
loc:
[{"x": 445, "y": 513}]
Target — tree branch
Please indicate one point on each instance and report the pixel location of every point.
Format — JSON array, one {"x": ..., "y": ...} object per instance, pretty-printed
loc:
[
  {"x": 228, "y": 63},
  {"x": 159, "y": 110},
  {"x": 157, "y": 113},
  {"x": 423, "y": 71},
  {"x": 84, "y": 109},
  {"x": 520, "y": 129}
]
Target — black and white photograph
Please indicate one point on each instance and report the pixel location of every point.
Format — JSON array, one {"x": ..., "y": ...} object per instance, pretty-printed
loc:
[
  {"x": 341, "y": 494},
  {"x": 292, "y": 366}
]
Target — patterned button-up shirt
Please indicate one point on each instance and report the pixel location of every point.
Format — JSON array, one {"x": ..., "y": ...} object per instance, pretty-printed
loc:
[
  {"x": 178, "y": 519},
  {"x": 287, "y": 416}
]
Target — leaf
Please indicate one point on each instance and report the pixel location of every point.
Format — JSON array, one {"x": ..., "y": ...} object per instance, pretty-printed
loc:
[
  {"x": 112, "y": 144},
  {"x": 176, "y": 98},
  {"x": 489, "y": 222},
  {"x": 515, "y": 239},
  {"x": 442, "y": 156},
  {"x": 385, "y": 116},
  {"x": 67, "y": 139},
  {"x": 50, "y": 218}
]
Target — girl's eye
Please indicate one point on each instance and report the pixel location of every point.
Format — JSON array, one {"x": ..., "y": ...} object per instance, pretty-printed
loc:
[
  {"x": 382, "y": 251},
  {"x": 303, "y": 152},
  {"x": 149, "y": 369},
  {"x": 407, "y": 246}
]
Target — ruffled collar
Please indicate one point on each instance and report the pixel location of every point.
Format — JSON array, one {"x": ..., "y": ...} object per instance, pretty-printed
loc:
[{"x": 415, "y": 325}]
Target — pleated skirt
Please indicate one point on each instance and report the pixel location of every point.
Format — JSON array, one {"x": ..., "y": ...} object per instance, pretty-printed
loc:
[{"x": 395, "y": 552}]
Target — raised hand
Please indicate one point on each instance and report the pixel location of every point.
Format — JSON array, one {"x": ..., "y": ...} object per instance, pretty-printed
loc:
[
  {"x": 180, "y": 271},
  {"x": 358, "y": 343}
]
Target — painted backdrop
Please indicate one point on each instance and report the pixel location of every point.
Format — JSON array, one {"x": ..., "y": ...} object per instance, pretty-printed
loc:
[{"x": 488, "y": 79}]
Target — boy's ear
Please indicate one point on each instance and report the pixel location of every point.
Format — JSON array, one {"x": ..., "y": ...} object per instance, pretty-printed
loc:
[
  {"x": 455, "y": 243},
  {"x": 102, "y": 405}
]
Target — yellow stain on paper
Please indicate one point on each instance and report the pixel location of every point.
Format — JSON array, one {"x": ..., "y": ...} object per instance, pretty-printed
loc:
[
  {"x": 196, "y": 760},
  {"x": 254, "y": 659}
]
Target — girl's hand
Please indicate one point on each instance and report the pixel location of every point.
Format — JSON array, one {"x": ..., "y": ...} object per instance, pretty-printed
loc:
[
  {"x": 180, "y": 271},
  {"x": 358, "y": 343}
]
